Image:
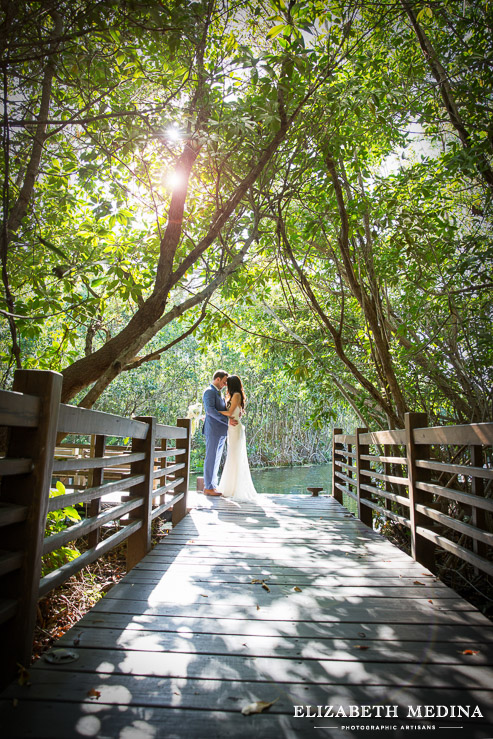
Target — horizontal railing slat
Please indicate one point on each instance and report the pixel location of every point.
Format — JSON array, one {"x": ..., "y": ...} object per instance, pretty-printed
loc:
[
  {"x": 351, "y": 480},
  {"x": 17, "y": 409},
  {"x": 12, "y": 513},
  {"x": 162, "y": 471},
  {"x": 74, "y": 420},
  {"x": 380, "y": 458},
  {"x": 390, "y": 514},
  {"x": 88, "y": 524},
  {"x": 88, "y": 494},
  {"x": 166, "y": 488},
  {"x": 8, "y": 609},
  {"x": 456, "y": 469},
  {"x": 170, "y": 432},
  {"x": 168, "y": 453},
  {"x": 345, "y": 439},
  {"x": 387, "y": 478},
  {"x": 452, "y": 523},
  {"x": 15, "y": 466},
  {"x": 346, "y": 491},
  {"x": 391, "y": 436},
  {"x": 457, "y": 495},
  {"x": 10, "y": 561},
  {"x": 457, "y": 549},
  {"x": 91, "y": 463},
  {"x": 347, "y": 466},
  {"x": 386, "y": 494},
  {"x": 473, "y": 433},
  {"x": 57, "y": 577},
  {"x": 166, "y": 506}
]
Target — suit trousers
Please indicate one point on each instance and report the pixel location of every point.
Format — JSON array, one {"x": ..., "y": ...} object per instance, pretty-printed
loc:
[{"x": 214, "y": 446}]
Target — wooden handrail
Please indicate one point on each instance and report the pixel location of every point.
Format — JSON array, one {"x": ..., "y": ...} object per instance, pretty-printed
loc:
[
  {"x": 35, "y": 418},
  {"x": 414, "y": 472}
]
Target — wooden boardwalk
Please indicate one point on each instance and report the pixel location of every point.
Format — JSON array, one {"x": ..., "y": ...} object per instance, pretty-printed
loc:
[{"x": 293, "y": 601}]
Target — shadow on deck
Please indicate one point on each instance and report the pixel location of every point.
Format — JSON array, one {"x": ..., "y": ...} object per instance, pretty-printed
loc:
[{"x": 294, "y": 601}]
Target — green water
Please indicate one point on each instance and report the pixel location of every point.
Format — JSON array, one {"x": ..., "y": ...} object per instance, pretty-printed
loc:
[{"x": 279, "y": 480}]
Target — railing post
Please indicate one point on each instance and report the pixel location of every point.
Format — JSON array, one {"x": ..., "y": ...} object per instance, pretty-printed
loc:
[
  {"x": 336, "y": 447},
  {"x": 31, "y": 490},
  {"x": 180, "y": 508},
  {"x": 478, "y": 515},
  {"x": 422, "y": 550},
  {"x": 388, "y": 451},
  {"x": 163, "y": 462},
  {"x": 139, "y": 543},
  {"x": 95, "y": 478},
  {"x": 364, "y": 512}
]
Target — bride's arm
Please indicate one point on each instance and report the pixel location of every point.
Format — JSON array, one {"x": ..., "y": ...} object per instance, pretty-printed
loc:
[{"x": 235, "y": 402}]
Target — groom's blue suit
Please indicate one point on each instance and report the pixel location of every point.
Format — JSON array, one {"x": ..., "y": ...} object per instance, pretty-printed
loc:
[{"x": 215, "y": 429}]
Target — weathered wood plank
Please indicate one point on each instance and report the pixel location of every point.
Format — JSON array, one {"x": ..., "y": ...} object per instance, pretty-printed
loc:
[
  {"x": 91, "y": 463},
  {"x": 18, "y": 409},
  {"x": 122, "y": 690},
  {"x": 278, "y": 669},
  {"x": 426, "y": 633},
  {"x": 49, "y": 721},
  {"x": 75, "y": 420},
  {"x": 334, "y": 649},
  {"x": 176, "y": 589},
  {"x": 15, "y": 466},
  {"x": 422, "y": 613},
  {"x": 471, "y": 433}
]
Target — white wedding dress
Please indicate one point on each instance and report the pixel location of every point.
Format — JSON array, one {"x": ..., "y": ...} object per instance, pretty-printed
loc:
[{"x": 236, "y": 480}]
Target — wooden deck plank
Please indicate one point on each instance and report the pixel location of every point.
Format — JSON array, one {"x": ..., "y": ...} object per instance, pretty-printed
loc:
[
  {"x": 335, "y": 649},
  {"x": 123, "y": 690},
  {"x": 426, "y": 633},
  {"x": 107, "y": 721},
  {"x": 281, "y": 669},
  {"x": 186, "y": 639}
]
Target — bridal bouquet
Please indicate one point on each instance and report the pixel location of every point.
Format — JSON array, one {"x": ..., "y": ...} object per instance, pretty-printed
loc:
[{"x": 195, "y": 413}]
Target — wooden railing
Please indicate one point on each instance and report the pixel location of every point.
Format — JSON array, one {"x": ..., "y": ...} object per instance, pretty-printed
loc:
[
  {"x": 152, "y": 474},
  {"x": 411, "y": 476}
]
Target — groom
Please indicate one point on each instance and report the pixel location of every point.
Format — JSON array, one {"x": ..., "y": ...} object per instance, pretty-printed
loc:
[{"x": 215, "y": 429}]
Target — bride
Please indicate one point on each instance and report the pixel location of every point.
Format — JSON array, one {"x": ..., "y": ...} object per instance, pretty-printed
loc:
[{"x": 236, "y": 480}]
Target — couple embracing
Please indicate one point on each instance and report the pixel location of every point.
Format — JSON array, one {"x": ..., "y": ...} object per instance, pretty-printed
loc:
[{"x": 222, "y": 419}]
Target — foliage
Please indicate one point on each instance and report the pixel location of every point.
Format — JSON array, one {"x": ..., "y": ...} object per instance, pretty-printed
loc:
[
  {"x": 330, "y": 237},
  {"x": 57, "y": 521}
]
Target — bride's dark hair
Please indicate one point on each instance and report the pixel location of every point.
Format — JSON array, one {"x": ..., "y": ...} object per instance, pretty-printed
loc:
[{"x": 235, "y": 385}]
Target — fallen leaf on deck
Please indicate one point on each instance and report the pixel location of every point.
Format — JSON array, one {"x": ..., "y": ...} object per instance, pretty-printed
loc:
[
  {"x": 266, "y": 587},
  {"x": 94, "y": 693},
  {"x": 204, "y": 596},
  {"x": 417, "y": 582},
  {"x": 470, "y": 651},
  {"x": 256, "y": 581},
  {"x": 429, "y": 600},
  {"x": 361, "y": 646},
  {"x": 257, "y": 707},
  {"x": 298, "y": 590},
  {"x": 258, "y": 608},
  {"x": 24, "y": 676}
]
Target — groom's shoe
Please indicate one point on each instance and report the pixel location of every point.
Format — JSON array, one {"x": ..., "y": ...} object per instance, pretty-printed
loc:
[{"x": 210, "y": 491}]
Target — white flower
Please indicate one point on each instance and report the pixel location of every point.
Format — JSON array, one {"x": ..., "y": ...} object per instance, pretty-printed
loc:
[{"x": 194, "y": 412}]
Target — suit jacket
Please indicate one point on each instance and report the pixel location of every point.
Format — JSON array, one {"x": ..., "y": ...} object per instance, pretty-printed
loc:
[{"x": 215, "y": 424}]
